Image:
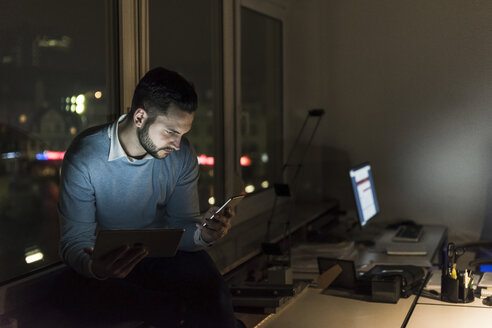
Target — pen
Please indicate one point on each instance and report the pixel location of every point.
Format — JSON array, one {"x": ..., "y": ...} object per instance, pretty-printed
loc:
[{"x": 453, "y": 272}]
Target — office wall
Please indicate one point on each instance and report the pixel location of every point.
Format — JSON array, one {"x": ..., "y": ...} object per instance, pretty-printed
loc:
[{"x": 407, "y": 85}]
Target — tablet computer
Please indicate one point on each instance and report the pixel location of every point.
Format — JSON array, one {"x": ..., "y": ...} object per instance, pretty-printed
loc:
[{"x": 159, "y": 242}]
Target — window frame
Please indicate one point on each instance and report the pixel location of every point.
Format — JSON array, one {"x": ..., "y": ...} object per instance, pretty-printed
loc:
[
  {"x": 133, "y": 56},
  {"x": 261, "y": 201}
]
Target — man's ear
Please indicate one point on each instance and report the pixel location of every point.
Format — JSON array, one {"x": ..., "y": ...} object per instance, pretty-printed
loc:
[{"x": 139, "y": 117}]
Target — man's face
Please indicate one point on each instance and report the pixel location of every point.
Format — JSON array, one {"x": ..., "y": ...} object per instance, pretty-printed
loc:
[{"x": 163, "y": 136}]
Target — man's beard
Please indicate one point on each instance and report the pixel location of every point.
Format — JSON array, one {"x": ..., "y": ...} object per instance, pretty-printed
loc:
[{"x": 148, "y": 144}]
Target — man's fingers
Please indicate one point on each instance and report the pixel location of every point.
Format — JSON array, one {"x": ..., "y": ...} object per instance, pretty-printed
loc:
[
  {"x": 218, "y": 223},
  {"x": 219, "y": 220},
  {"x": 218, "y": 227},
  {"x": 229, "y": 212},
  {"x": 119, "y": 262},
  {"x": 112, "y": 255},
  {"x": 214, "y": 233},
  {"x": 124, "y": 267},
  {"x": 116, "y": 255},
  {"x": 214, "y": 225},
  {"x": 210, "y": 212},
  {"x": 135, "y": 261}
]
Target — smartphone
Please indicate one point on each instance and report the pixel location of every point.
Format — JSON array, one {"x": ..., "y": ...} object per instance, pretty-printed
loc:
[{"x": 233, "y": 201}]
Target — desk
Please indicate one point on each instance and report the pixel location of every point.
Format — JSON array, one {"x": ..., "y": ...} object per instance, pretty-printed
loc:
[
  {"x": 450, "y": 315},
  {"x": 315, "y": 310}
]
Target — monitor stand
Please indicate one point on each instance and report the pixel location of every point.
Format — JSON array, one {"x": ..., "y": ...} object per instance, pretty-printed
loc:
[{"x": 430, "y": 244}]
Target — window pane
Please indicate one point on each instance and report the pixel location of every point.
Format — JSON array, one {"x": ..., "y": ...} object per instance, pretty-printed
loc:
[
  {"x": 53, "y": 84},
  {"x": 261, "y": 93},
  {"x": 185, "y": 36}
]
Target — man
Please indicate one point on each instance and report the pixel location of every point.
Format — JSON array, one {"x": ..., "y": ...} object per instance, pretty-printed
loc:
[{"x": 141, "y": 173}]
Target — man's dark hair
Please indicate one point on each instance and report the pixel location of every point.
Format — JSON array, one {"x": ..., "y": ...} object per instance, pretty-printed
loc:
[{"x": 161, "y": 87}]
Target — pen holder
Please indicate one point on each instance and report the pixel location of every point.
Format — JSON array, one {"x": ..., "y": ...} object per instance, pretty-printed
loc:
[{"x": 454, "y": 290}]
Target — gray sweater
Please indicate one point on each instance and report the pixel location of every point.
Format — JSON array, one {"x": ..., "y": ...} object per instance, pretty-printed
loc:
[{"x": 102, "y": 188}]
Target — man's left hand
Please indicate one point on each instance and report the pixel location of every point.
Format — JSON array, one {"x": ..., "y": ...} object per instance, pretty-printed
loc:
[{"x": 217, "y": 227}]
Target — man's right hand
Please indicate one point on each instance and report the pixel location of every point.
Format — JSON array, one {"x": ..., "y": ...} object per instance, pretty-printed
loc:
[{"x": 118, "y": 263}]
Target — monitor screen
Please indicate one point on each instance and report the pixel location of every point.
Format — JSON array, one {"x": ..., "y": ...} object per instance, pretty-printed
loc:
[{"x": 364, "y": 193}]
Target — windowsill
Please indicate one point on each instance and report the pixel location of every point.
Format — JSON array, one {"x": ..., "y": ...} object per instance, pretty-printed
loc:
[
  {"x": 29, "y": 289},
  {"x": 255, "y": 204},
  {"x": 244, "y": 240}
]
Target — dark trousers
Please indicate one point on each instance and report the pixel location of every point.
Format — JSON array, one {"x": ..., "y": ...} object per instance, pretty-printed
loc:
[{"x": 186, "y": 290}]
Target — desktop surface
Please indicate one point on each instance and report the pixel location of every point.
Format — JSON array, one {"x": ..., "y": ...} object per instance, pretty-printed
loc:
[
  {"x": 313, "y": 308},
  {"x": 316, "y": 310},
  {"x": 443, "y": 315},
  {"x": 436, "y": 313}
]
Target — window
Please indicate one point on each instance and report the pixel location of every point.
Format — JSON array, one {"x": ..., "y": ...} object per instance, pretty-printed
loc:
[
  {"x": 185, "y": 36},
  {"x": 58, "y": 72},
  {"x": 261, "y": 100},
  {"x": 53, "y": 84}
]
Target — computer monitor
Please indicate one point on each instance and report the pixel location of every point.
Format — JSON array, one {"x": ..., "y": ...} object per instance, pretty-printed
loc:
[{"x": 364, "y": 193}]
